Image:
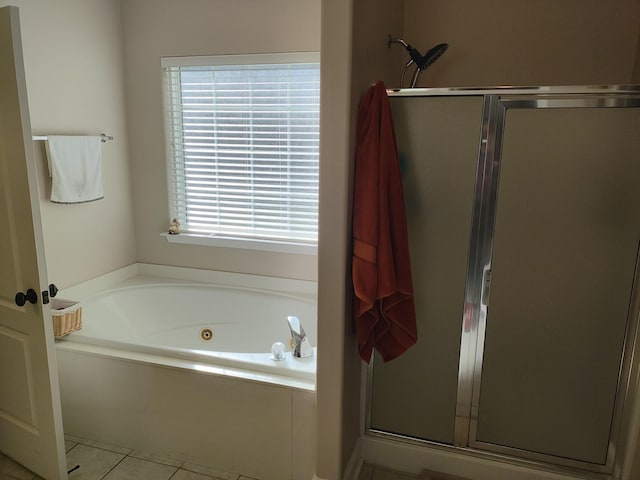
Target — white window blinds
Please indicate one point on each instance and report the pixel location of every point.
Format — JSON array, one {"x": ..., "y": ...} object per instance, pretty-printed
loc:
[{"x": 243, "y": 134}]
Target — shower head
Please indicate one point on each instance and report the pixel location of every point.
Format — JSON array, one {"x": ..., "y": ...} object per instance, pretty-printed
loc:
[
  {"x": 432, "y": 55},
  {"x": 422, "y": 61}
]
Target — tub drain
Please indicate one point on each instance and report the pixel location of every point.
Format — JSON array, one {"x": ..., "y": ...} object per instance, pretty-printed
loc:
[{"x": 206, "y": 334}]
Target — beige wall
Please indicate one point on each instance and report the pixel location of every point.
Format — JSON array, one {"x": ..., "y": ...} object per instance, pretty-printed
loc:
[
  {"x": 73, "y": 64},
  {"x": 522, "y": 42},
  {"x": 372, "y": 60},
  {"x": 354, "y": 55},
  {"x": 156, "y": 28},
  {"x": 335, "y": 111},
  {"x": 334, "y": 436}
]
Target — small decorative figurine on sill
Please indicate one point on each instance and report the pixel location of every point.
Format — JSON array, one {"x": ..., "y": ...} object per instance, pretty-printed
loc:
[{"x": 174, "y": 228}]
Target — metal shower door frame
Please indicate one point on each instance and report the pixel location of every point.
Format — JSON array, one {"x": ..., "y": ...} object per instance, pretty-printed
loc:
[
  {"x": 480, "y": 257},
  {"x": 497, "y": 101}
]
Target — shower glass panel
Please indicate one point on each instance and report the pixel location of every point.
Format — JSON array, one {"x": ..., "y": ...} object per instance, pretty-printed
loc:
[
  {"x": 438, "y": 141},
  {"x": 523, "y": 211},
  {"x": 564, "y": 253}
]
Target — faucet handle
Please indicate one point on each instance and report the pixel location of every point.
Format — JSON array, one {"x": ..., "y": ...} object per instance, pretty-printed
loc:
[
  {"x": 296, "y": 327},
  {"x": 301, "y": 345}
]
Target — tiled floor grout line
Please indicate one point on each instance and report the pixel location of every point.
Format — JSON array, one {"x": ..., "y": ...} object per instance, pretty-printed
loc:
[
  {"x": 174, "y": 473},
  {"x": 111, "y": 469},
  {"x": 181, "y": 462}
]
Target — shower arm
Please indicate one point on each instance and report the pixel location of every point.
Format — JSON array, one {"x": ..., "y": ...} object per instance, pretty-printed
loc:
[
  {"x": 415, "y": 58},
  {"x": 404, "y": 70},
  {"x": 416, "y": 74},
  {"x": 414, "y": 79}
]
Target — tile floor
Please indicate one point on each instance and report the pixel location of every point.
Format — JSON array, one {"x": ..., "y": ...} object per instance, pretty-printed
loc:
[
  {"x": 371, "y": 472},
  {"x": 99, "y": 461}
]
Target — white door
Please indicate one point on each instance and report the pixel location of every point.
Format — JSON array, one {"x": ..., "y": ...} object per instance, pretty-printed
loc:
[{"x": 30, "y": 414}]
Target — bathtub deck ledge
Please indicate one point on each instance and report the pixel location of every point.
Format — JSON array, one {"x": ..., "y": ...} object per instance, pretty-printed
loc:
[{"x": 199, "y": 367}]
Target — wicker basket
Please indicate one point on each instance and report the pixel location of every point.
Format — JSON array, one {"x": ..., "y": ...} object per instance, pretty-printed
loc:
[{"x": 67, "y": 316}]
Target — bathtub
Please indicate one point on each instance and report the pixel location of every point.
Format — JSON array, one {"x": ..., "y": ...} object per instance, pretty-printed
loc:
[{"x": 177, "y": 362}]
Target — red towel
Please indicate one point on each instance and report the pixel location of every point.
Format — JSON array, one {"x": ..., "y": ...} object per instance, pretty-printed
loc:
[{"x": 384, "y": 311}]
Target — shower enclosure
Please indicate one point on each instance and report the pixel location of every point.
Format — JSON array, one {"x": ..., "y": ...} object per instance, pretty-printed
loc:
[{"x": 523, "y": 209}]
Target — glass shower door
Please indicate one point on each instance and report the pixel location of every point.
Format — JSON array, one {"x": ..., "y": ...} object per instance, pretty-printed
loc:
[
  {"x": 567, "y": 227},
  {"x": 438, "y": 140}
]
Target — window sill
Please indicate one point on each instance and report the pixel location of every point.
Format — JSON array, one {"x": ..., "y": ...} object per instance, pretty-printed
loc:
[{"x": 232, "y": 242}]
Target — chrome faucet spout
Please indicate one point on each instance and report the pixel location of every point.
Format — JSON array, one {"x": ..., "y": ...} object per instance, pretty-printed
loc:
[{"x": 301, "y": 345}]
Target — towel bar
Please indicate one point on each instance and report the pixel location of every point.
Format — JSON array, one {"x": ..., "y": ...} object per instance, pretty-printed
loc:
[{"x": 103, "y": 136}]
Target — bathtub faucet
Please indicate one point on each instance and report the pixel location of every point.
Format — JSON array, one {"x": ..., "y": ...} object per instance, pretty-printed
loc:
[{"x": 301, "y": 345}]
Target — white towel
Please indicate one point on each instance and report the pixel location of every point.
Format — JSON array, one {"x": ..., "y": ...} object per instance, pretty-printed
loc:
[{"x": 75, "y": 166}]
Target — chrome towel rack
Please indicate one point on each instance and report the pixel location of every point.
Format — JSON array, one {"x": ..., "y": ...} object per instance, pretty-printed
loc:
[{"x": 103, "y": 136}]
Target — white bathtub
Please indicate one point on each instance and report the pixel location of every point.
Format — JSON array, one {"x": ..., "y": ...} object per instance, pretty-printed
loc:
[{"x": 139, "y": 374}]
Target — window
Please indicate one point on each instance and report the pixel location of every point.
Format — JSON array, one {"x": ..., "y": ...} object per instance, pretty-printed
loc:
[{"x": 243, "y": 138}]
